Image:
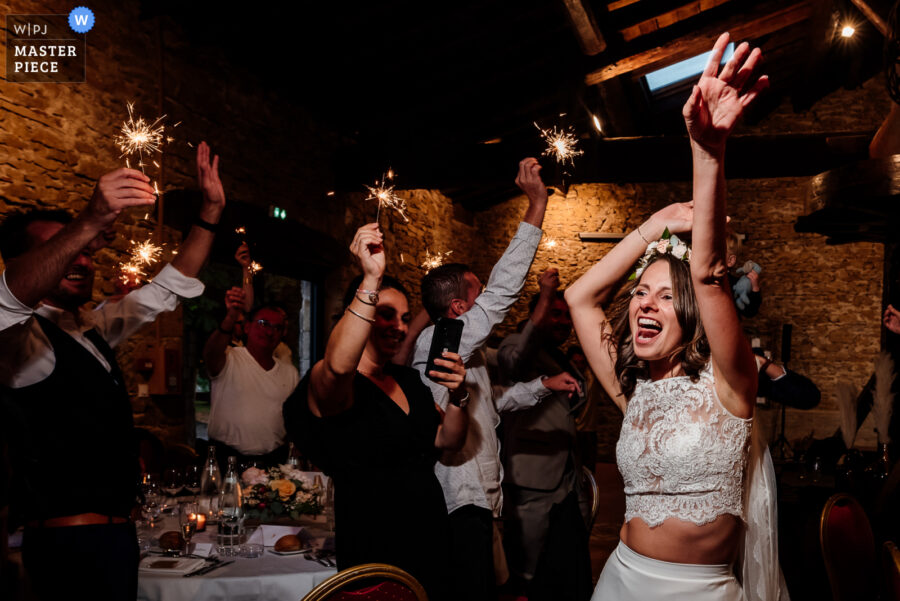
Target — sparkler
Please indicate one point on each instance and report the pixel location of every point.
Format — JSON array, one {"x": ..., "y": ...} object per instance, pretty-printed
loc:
[
  {"x": 140, "y": 136},
  {"x": 386, "y": 197},
  {"x": 130, "y": 274},
  {"x": 144, "y": 253},
  {"x": 561, "y": 144},
  {"x": 550, "y": 243},
  {"x": 434, "y": 260},
  {"x": 255, "y": 268}
]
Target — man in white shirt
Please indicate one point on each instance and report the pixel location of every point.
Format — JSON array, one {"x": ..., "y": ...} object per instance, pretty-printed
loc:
[
  {"x": 249, "y": 384},
  {"x": 76, "y": 480},
  {"x": 470, "y": 478}
]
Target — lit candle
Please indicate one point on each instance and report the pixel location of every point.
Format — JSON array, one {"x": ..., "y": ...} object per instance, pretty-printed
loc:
[{"x": 201, "y": 522}]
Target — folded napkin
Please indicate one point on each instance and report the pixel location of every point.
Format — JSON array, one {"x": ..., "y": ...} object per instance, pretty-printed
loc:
[
  {"x": 203, "y": 549},
  {"x": 271, "y": 533},
  {"x": 170, "y": 565}
]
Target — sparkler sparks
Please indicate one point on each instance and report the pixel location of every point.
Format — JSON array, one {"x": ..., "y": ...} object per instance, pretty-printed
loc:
[
  {"x": 254, "y": 268},
  {"x": 434, "y": 260},
  {"x": 140, "y": 136},
  {"x": 130, "y": 274},
  {"x": 387, "y": 198},
  {"x": 144, "y": 253},
  {"x": 561, "y": 144},
  {"x": 550, "y": 244}
]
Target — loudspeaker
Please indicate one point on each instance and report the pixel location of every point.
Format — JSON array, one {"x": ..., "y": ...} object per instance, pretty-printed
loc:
[{"x": 786, "y": 331}]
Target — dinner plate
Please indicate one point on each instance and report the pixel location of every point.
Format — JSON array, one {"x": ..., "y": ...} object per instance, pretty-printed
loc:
[{"x": 290, "y": 552}]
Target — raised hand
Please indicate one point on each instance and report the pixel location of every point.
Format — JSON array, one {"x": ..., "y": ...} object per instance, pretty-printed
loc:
[
  {"x": 548, "y": 282},
  {"x": 562, "y": 382},
  {"x": 234, "y": 301},
  {"x": 242, "y": 256},
  {"x": 716, "y": 102},
  {"x": 529, "y": 180},
  {"x": 891, "y": 319},
  {"x": 367, "y": 247},
  {"x": 678, "y": 217},
  {"x": 457, "y": 374},
  {"x": 117, "y": 190},
  {"x": 210, "y": 184}
]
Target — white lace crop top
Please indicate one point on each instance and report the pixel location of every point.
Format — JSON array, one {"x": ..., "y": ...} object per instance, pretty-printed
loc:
[{"x": 681, "y": 453}]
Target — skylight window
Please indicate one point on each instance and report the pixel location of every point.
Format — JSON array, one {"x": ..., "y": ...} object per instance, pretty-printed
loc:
[{"x": 686, "y": 69}]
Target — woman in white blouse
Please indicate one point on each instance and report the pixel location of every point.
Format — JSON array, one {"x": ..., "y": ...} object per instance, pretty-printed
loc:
[{"x": 671, "y": 353}]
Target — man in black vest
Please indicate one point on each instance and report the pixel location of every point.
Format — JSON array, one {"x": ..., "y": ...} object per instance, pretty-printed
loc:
[{"x": 76, "y": 476}]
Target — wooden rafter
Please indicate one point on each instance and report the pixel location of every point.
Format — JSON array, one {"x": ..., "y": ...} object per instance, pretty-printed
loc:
[
  {"x": 872, "y": 16},
  {"x": 589, "y": 36},
  {"x": 669, "y": 18},
  {"x": 617, "y": 4},
  {"x": 740, "y": 26}
]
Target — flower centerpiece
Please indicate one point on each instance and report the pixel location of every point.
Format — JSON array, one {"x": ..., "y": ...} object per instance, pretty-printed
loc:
[{"x": 278, "y": 494}]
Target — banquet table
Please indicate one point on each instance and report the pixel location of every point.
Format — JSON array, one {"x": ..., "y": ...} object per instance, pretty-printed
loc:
[{"x": 267, "y": 578}]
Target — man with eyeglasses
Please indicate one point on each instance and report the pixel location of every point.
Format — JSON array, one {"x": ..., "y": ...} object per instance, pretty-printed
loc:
[{"x": 249, "y": 384}]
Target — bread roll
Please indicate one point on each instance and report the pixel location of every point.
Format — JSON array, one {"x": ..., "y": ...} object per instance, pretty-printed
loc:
[
  {"x": 288, "y": 542},
  {"x": 171, "y": 541}
]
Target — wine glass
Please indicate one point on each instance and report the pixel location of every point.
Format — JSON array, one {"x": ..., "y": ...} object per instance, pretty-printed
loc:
[
  {"x": 187, "y": 520},
  {"x": 192, "y": 480},
  {"x": 172, "y": 481},
  {"x": 150, "y": 507}
]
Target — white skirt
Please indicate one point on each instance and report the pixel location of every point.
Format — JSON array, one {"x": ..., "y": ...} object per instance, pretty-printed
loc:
[{"x": 630, "y": 576}]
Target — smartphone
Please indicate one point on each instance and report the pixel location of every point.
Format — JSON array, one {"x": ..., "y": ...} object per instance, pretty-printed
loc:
[{"x": 446, "y": 337}]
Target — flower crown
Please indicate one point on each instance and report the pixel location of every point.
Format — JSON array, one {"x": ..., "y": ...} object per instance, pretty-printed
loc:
[{"x": 669, "y": 243}]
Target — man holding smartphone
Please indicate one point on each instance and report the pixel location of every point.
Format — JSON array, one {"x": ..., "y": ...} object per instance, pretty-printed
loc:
[{"x": 471, "y": 477}]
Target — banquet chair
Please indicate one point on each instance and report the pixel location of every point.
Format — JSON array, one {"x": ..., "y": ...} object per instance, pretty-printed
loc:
[
  {"x": 848, "y": 549},
  {"x": 590, "y": 486},
  {"x": 391, "y": 584},
  {"x": 890, "y": 561}
]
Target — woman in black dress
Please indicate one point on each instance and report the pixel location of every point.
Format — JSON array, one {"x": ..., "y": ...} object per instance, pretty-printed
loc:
[{"x": 375, "y": 429}]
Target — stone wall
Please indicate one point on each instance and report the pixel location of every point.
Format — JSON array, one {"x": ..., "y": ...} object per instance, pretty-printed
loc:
[{"x": 56, "y": 140}]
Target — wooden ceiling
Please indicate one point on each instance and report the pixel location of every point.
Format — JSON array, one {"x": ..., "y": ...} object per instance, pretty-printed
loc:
[{"x": 448, "y": 93}]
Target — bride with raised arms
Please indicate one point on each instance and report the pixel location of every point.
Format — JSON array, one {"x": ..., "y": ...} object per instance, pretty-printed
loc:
[{"x": 671, "y": 354}]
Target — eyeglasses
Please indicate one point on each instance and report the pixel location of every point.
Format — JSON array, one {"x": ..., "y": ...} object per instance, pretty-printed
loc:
[{"x": 268, "y": 325}]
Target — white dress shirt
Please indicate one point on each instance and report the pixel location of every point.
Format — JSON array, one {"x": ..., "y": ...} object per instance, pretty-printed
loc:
[{"x": 26, "y": 356}]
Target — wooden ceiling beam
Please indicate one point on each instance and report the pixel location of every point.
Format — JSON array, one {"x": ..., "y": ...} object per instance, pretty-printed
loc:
[
  {"x": 669, "y": 18},
  {"x": 872, "y": 16},
  {"x": 617, "y": 4},
  {"x": 589, "y": 36},
  {"x": 740, "y": 26}
]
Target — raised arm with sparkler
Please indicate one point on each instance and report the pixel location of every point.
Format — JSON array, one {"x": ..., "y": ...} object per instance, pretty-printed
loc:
[
  {"x": 214, "y": 350},
  {"x": 530, "y": 182},
  {"x": 34, "y": 274},
  {"x": 242, "y": 256},
  {"x": 195, "y": 250}
]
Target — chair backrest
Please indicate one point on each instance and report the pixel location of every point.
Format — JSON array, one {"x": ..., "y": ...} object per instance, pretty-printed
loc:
[
  {"x": 848, "y": 548},
  {"x": 395, "y": 585},
  {"x": 590, "y": 485},
  {"x": 890, "y": 561}
]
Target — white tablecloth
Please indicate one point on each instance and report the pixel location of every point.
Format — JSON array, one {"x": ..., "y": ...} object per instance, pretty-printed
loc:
[{"x": 267, "y": 578}]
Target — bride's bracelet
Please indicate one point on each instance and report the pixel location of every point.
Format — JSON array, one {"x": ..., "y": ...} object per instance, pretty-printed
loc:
[{"x": 641, "y": 234}]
